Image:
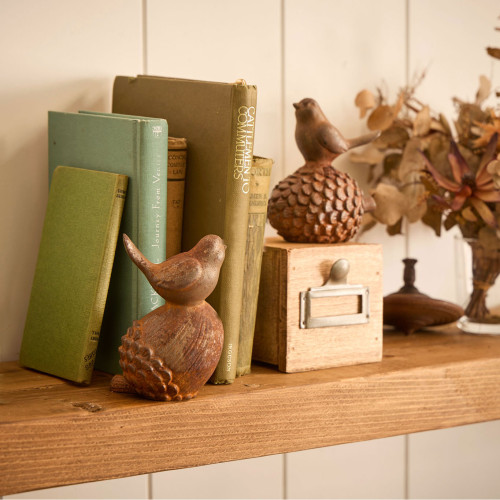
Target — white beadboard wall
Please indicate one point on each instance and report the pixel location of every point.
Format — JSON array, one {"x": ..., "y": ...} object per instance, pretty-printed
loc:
[{"x": 63, "y": 55}]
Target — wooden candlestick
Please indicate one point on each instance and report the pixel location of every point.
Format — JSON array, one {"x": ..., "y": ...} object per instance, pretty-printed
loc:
[{"x": 409, "y": 310}]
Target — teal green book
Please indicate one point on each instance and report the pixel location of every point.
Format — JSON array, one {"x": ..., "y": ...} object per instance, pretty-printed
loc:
[
  {"x": 73, "y": 272},
  {"x": 136, "y": 147}
]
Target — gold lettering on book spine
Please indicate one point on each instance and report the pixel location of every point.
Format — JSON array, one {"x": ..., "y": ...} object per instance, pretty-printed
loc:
[{"x": 244, "y": 146}]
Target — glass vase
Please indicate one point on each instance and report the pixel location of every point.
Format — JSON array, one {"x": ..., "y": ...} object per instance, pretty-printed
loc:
[{"x": 485, "y": 270}]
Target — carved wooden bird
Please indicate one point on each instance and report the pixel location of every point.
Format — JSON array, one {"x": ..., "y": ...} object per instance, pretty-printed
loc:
[
  {"x": 317, "y": 138},
  {"x": 172, "y": 351},
  {"x": 185, "y": 278},
  {"x": 318, "y": 203}
]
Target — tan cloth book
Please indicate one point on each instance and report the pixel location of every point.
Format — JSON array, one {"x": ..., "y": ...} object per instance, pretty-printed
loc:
[{"x": 257, "y": 215}]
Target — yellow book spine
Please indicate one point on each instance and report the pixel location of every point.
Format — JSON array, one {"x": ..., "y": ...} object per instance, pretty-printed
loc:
[
  {"x": 235, "y": 227},
  {"x": 257, "y": 215}
]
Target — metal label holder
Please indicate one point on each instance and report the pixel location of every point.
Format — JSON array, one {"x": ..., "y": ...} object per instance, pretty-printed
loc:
[{"x": 336, "y": 286}]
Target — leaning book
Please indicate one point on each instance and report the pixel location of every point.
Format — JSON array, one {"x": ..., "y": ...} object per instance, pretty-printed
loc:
[
  {"x": 73, "y": 272},
  {"x": 136, "y": 147},
  {"x": 257, "y": 215},
  {"x": 218, "y": 122}
]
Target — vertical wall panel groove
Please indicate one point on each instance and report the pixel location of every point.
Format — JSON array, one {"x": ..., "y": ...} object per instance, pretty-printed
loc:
[
  {"x": 285, "y": 475},
  {"x": 407, "y": 225},
  {"x": 144, "y": 14},
  {"x": 144, "y": 19},
  {"x": 406, "y": 229},
  {"x": 281, "y": 167},
  {"x": 407, "y": 467}
]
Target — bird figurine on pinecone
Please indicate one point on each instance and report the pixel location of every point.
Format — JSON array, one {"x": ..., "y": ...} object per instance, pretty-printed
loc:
[
  {"x": 172, "y": 351},
  {"x": 318, "y": 203}
]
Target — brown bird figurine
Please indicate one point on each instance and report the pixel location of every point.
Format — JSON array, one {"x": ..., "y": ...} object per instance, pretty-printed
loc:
[
  {"x": 318, "y": 140},
  {"x": 172, "y": 351},
  {"x": 317, "y": 203}
]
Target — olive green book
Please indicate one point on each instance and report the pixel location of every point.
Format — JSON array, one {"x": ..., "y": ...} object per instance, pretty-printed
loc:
[
  {"x": 218, "y": 122},
  {"x": 137, "y": 147},
  {"x": 257, "y": 215},
  {"x": 73, "y": 272}
]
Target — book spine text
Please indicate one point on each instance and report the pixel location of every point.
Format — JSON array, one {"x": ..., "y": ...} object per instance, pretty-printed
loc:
[
  {"x": 257, "y": 215},
  {"x": 235, "y": 227},
  {"x": 176, "y": 181},
  {"x": 153, "y": 206}
]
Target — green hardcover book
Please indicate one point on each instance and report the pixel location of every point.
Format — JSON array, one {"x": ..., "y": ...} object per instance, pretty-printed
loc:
[
  {"x": 257, "y": 215},
  {"x": 136, "y": 147},
  {"x": 73, "y": 271},
  {"x": 218, "y": 121}
]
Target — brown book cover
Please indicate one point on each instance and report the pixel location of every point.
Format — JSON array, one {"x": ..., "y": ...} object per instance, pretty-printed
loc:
[
  {"x": 176, "y": 181},
  {"x": 257, "y": 215},
  {"x": 218, "y": 121}
]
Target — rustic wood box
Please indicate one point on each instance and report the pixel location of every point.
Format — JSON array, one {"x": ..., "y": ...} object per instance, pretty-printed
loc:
[{"x": 291, "y": 269}]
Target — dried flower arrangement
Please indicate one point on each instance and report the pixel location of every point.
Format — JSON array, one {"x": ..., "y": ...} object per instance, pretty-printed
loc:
[{"x": 421, "y": 170}]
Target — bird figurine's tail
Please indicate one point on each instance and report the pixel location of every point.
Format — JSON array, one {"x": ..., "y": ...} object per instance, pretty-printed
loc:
[
  {"x": 146, "y": 266},
  {"x": 362, "y": 139}
]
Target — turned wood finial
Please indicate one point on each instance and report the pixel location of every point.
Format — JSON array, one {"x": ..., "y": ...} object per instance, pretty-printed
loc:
[
  {"x": 409, "y": 276},
  {"x": 409, "y": 310}
]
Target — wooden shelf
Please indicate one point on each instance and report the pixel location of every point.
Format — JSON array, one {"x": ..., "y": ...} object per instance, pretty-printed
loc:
[{"x": 54, "y": 433}]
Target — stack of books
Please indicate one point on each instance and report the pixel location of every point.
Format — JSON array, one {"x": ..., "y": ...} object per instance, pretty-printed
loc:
[{"x": 215, "y": 186}]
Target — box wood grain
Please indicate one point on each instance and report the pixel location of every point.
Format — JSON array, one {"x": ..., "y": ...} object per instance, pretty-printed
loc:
[{"x": 291, "y": 268}]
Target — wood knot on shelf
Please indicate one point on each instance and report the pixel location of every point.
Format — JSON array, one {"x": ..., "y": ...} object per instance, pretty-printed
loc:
[{"x": 90, "y": 407}]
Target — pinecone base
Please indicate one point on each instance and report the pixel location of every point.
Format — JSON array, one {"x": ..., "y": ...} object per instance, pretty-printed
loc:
[{"x": 316, "y": 204}]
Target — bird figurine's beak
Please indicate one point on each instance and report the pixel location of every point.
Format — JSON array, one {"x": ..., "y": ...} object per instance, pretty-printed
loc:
[
  {"x": 138, "y": 258},
  {"x": 296, "y": 105}
]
